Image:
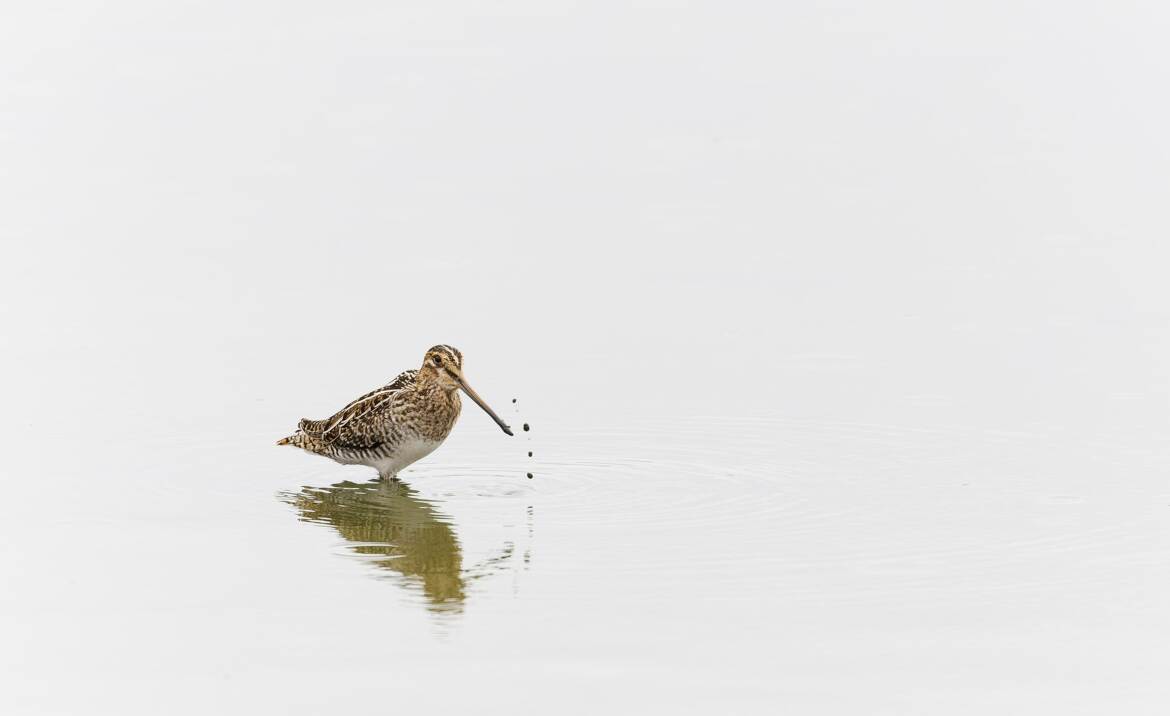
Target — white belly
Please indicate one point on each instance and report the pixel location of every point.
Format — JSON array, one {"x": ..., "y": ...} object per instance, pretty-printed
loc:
[{"x": 407, "y": 452}]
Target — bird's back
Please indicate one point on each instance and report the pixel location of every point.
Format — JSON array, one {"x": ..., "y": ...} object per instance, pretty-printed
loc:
[{"x": 357, "y": 425}]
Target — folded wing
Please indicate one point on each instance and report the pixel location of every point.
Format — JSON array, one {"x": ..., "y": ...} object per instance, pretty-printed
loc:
[{"x": 328, "y": 428}]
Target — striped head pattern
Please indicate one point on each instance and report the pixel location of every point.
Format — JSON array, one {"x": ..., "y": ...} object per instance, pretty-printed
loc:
[{"x": 444, "y": 365}]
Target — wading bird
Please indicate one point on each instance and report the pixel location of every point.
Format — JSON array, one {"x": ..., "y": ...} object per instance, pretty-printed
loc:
[{"x": 397, "y": 424}]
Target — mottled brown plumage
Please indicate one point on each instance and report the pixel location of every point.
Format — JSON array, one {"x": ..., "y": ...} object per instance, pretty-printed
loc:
[{"x": 397, "y": 424}]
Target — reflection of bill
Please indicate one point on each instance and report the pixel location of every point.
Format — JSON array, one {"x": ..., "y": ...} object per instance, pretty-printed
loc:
[{"x": 401, "y": 533}]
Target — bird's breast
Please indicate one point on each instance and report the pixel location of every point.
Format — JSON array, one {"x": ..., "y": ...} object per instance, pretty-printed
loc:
[
  {"x": 414, "y": 449},
  {"x": 432, "y": 416}
]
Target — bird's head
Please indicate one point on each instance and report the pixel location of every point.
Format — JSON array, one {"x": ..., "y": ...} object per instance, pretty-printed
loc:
[{"x": 443, "y": 364}]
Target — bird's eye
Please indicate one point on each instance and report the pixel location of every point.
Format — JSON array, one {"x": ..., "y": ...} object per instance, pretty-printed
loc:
[{"x": 437, "y": 360}]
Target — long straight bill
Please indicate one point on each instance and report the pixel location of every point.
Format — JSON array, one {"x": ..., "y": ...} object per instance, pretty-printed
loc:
[{"x": 479, "y": 401}]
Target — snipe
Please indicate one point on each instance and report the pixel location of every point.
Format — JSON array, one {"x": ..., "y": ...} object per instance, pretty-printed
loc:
[{"x": 397, "y": 424}]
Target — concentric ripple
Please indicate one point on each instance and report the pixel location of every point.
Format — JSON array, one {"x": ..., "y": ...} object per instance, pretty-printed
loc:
[{"x": 732, "y": 508}]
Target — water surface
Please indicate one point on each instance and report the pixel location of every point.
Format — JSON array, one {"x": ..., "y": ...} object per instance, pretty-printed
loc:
[{"x": 843, "y": 335}]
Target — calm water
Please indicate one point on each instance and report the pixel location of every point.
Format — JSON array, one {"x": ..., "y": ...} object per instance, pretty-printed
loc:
[
  {"x": 705, "y": 561},
  {"x": 844, "y": 336}
]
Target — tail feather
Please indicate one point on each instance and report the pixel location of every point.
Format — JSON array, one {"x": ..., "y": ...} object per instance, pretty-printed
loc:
[{"x": 305, "y": 442}]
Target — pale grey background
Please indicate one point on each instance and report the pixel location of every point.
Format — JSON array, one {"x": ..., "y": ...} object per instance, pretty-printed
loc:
[{"x": 917, "y": 249}]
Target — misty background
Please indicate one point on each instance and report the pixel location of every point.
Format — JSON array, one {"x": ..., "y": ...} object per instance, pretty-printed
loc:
[{"x": 220, "y": 217}]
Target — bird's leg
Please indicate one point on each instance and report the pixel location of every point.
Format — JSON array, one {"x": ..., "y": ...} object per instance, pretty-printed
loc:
[{"x": 388, "y": 476}]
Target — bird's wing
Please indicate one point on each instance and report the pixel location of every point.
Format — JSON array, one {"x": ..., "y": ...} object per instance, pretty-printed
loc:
[{"x": 327, "y": 428}]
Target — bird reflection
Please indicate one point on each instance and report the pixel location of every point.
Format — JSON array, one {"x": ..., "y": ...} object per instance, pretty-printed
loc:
[{"x": 400, "y": 533}]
